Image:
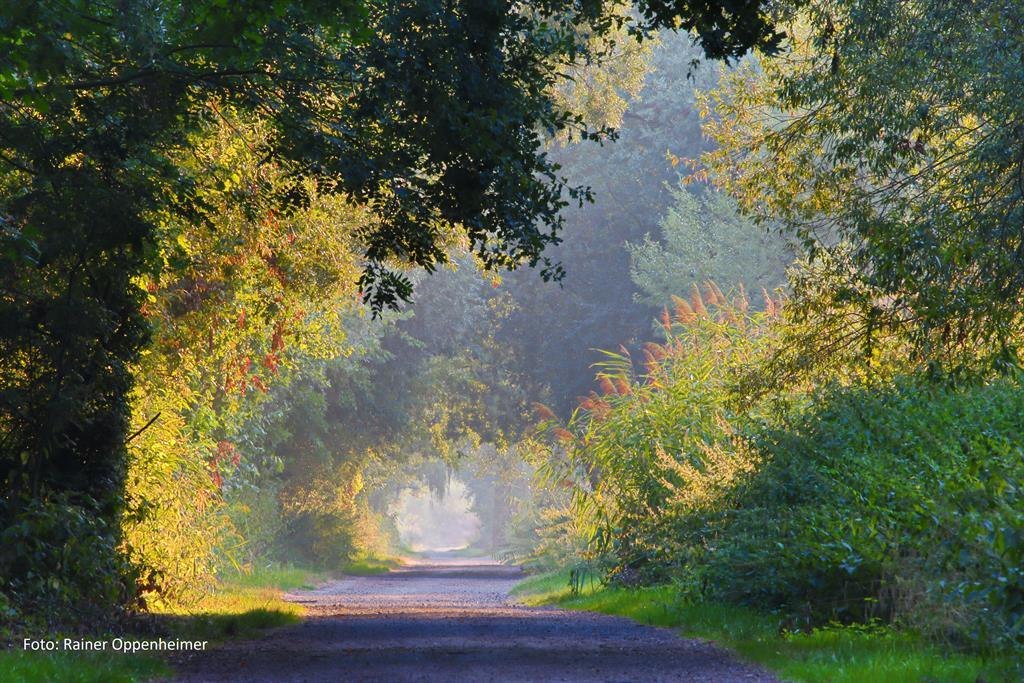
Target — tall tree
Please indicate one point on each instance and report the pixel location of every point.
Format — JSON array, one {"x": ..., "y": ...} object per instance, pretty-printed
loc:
[
  {"x": 891, "y": 143},
  {"x": 705, "y": 238}
]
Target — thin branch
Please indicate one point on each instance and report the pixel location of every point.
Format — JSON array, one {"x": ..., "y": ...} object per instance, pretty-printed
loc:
[{"x": 144, "y": 428}]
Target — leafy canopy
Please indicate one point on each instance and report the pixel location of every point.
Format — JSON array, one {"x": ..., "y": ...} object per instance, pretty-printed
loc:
[{"x": 889, "y": 142}]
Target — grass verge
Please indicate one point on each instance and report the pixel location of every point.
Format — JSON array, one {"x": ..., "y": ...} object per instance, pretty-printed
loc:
[
  {"x": 833, "y": 654},
  {"x": 17, "y": 666},
  {"x": 370, "y": 566},
  {"x": 242, "y": 605}
]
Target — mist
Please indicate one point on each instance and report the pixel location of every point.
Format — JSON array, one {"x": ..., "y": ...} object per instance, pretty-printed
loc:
[{"x": 428, "y": 523}]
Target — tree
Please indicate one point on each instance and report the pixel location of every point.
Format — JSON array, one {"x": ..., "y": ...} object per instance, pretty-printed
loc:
[
  {"x": 595, "y": 306},
  {"x": 433, "y": 115},
  {"x": 726, "y": 30},
  {"x": 244, "y": 306},
  {"x": 705, "y": 238},
  {"x": 889, "y": 142}
]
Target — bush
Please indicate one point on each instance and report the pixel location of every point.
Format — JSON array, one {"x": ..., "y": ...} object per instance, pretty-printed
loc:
[
  {"x": 902, "y": 503},
  {"x": 175, "y": 517},
  {"x": 631, "y": 450},
  {"x": 879, "y": 496},
  {"x": 61, "y": 564},
  {"x": 327, "y": 520}
]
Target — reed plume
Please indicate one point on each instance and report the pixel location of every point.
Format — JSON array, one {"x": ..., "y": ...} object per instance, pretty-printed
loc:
[
  {"x": 563, "y": 435},
  {"x": 697, "y": 301},
  {"x": 684, "y": 313},
  {"x": 710, "y": 295},
  {"x": 657, "y": 351},
  {"x": 722, "y": 300},
  {"x": 742, "y": 302},
  {"x": 543, "y": 412},
  {"x": 769, "y": 303}
]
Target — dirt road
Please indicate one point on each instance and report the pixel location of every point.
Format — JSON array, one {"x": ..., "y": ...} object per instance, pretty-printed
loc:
[{"x": 452, "y": 620}]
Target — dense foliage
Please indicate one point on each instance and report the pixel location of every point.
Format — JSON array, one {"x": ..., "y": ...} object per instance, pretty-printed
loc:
[
  {"x": 898, "y": 502},
  {"x": 880, "y": 497},
  {"x": 888, "y": 141},
  {"x": 208, "y": 212},
  {"x": 706, "y": 238},
  {"x": 424, "y": 124},
  {"x": 858, "y": 456}
]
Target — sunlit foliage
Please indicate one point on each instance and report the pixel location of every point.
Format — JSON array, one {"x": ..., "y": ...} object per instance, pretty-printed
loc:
[
  {"x": 629, "y": 450},
  {"x": 888, "y": 141},
  {"x": 233, "y": 307}
]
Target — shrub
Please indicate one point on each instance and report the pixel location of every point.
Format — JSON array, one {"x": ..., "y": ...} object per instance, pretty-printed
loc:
[
  {"x": 61, "y": 564},
  {"x": 858, "y": 496},
  {"x": 901, "y": 502},
  {"x": 627, "y": 451}
]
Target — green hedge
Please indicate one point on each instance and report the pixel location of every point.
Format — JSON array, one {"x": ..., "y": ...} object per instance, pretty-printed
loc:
[{"x": 902, "y": 503}]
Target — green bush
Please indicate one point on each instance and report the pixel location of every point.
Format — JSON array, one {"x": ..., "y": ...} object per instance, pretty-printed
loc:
[
  {"x": 881, "y": 497},
  {"x": 899, "y": 503},
  {"x": 629, "y": 452},
  {"x": 321, "y": 539},
  {"x": 61, "y": 564}
]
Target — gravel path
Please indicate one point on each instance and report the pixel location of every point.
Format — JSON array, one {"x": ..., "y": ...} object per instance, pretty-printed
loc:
[{"x": 452, "y": 620}]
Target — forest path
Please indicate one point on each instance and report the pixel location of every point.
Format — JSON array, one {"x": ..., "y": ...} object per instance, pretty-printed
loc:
[{"x": 451, "y": 619}]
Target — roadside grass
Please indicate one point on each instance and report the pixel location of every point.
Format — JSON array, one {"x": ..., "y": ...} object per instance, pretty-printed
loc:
[
  {"x": 283, "y": 577},
  {"x": 370, "y": 565},
  {"x": 835, "y": 654},
  {"x": 242, "y": 605},
  {"x": 17, "y": 666}
]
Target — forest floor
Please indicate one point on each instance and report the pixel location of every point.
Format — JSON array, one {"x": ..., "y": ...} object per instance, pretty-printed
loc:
[{"x": 452, "y": 619}]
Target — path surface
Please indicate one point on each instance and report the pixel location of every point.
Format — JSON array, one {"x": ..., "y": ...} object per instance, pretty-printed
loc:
[{"x": 452, "y": 620}]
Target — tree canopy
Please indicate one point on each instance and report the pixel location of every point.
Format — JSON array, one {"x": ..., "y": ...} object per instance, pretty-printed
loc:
[
  {"x": 429, "y": 119},
  {"x": 887, "y": 141}
]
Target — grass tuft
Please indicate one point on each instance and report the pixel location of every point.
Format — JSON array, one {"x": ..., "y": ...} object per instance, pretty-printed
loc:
[
  {"x": 369, "y": 566},
  {"x": 280, "y": 577},
  {"x": 242, "y": 605}
]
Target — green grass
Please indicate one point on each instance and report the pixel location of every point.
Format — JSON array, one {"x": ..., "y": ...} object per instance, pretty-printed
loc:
[
  {"x": 242, "y": 605},
  {"x": 832, "y": 655},
  {"x": 370, "y": 566},
  {"x": 17, "y": 666},
  {"x": 282, "y": 577}
]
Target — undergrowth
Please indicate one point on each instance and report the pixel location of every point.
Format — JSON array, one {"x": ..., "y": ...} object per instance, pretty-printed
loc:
[{"x": 832, "y": 654}]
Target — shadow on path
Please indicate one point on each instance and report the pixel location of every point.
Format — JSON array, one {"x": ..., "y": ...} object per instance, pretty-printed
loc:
[{"x": 451, "y": 619}]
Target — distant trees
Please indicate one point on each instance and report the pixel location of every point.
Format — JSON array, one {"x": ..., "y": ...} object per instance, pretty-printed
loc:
[
  {"x": 706, "y": 238},
  {"x": 632, "y": 180}
]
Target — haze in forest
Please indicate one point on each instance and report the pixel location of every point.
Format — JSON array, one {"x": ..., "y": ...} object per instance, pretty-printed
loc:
[{"x": 722, "y": 307}]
